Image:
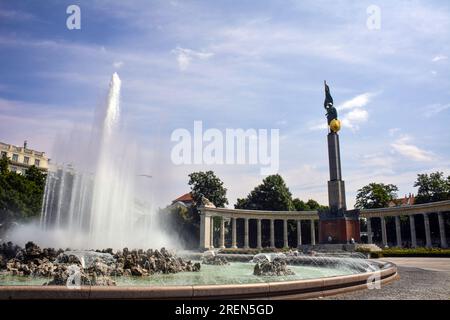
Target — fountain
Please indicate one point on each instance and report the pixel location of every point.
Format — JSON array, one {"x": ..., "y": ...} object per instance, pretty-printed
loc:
[{"x": 90, "y": 203}]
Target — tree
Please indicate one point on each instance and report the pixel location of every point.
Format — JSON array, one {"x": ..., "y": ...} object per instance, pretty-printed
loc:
[
  {"x": 300, "y": 205},
  {"x": 309, "y": 205},
  {"x": 375, "y": 195},
  {"x": 433, "y": 187},
  {"x": 272, "y": 194},
  {"x": 20, "y": 195},
  {"x": 207, "y": 184},
  {"x": 35, "y": 175}
]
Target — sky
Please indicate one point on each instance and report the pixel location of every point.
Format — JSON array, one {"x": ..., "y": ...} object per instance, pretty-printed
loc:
[{"x": 238, "y": 64}]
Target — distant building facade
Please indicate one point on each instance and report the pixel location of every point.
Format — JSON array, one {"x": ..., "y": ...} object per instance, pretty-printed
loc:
[
  {"x": 186, "y": 200},
  {"x": 408, "y": 200},
  {"x": 22, "y": 157}
]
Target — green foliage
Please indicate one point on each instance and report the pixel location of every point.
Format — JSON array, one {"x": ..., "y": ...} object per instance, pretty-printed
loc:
[
  {"x": 272, "y": 194},
  {"x": 433, "y": 187},
  {"x": 20, "y": 195},
  {"x": 415, "y": 252},
  {"x": 207, "y": 184},
  {"x": 375, "y": 195},
  {"x": 310, "y": 205},
  {"x": 300, "y": 205}
]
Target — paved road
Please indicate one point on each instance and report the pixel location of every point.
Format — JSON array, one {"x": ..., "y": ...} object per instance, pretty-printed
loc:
[{"x": 420, "y": 278}]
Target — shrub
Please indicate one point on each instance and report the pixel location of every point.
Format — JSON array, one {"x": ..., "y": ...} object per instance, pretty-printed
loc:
[{"x": 415, "y": 252}]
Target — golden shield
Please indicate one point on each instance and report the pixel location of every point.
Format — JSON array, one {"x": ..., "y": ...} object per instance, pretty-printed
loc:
[{"x": 335, "y": 125}]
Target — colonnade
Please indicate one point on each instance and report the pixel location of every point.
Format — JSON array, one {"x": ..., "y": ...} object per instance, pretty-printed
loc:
[
  {"x": 233, "y": 215},
  {"x": 234, "y": 243},
  {"x": 412, "y": 227},
  {"x": 229, "y": 217}
]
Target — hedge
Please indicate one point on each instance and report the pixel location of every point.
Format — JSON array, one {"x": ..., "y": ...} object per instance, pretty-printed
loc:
[{"x": 416, "y": 252}]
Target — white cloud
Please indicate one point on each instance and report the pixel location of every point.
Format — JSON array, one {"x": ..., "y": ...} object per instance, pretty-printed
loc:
[
  {"x": 355, "y": 118},
  {"x": 185, "y": 56},
  {"x": 118, "y": 64},
  {"x": 356, "y": 102},
  {"x": 404, "y": 147},
  {"x": 393, "y": 131},
  {"x": 434, "y": 109},
  {"x": 439, "y": 58}
]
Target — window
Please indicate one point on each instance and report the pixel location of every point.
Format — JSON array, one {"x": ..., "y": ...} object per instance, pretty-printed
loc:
[
  {"x": 15, "y": 158},
  {"x": 36, "y": 162},
  {"x": 26, "y": 160},
  {"x": 4, "y": 154}
]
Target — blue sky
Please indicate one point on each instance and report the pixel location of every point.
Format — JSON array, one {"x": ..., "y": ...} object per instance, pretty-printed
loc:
[{"x": 239, "y": 64}]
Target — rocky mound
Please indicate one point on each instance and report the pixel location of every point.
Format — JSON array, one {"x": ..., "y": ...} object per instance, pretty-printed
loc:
[
  {"x": 215, "y": 260},
  {"x": 277, "y": 267},
  {"x": 88, "y": 267}
]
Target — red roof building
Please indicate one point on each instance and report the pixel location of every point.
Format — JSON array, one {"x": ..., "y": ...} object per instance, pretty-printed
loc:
[
  {"x": 185, "y": 198},
  {"x": 408, "y": 200}
]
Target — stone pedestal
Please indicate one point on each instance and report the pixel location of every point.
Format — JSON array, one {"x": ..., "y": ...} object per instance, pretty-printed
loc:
[{"x": 341, "y": 229}]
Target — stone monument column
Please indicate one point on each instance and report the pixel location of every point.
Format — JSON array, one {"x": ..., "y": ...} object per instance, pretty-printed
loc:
[{"x": 337, "y": 225}]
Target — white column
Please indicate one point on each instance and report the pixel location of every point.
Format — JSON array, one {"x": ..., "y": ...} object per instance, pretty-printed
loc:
[
  {"x": 222, "y": 233},
  {"x": 383, "y": 232},
  {"x": 398, "y": 231},
  {"x": 272, "y": 233},
  {"x": 369, "y": 231},
  {"x": 211, "y": 230},
  {"x": 203, "y": 244},
  {"x": 442, "y": 230},
  {"x": 412, "y": 227},
  {"x": 285, "y": 233},
  {"x": 299, "y": 233},
  {"x": 426, "y": 222},
  {"x": 246, "y": 246},
  {"x": 313, "y": 233},
  {"x": 233, "y": 233},
  {"x": 258, "y": 234}
]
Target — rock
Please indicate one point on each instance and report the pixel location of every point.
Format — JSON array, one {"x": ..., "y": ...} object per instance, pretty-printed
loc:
[
  {"x": 9, "y": 250},
  {"x": 94, "y": 267},
  {"x": 277, "y": 267},
  {"x": 215, "y": 260},
  {"x": 32, "y": 250}
]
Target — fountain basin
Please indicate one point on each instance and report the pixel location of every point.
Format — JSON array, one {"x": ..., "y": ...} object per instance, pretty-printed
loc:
[{"x": 267, "y": 288}]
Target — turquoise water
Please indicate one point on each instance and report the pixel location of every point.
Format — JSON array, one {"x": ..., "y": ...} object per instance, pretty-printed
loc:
[{"x": 234, "y": 273}]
